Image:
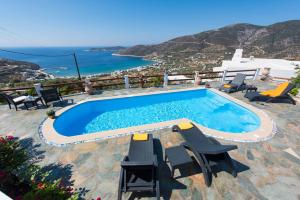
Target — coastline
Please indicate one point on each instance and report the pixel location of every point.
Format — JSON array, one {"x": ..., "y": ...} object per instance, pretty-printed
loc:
[
  {"x": 116, "y": 72},
  {"x": 154, "y": 64},
  {"x": 128, "y": 55}
]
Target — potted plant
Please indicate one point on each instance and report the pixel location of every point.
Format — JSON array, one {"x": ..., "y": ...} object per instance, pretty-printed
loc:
[
  {"x": 265, "y": 72},
  {"x": 51, "y": 114}
]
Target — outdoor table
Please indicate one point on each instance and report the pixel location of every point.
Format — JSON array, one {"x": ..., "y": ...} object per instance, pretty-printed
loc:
[
  {"x": 33, "y": 101},
  {"x": 178, "y": 157},
  {"x": 250, "y": 88}
]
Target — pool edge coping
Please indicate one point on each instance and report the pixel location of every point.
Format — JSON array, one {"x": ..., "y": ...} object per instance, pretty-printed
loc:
[{"x": 266, "y": 130}]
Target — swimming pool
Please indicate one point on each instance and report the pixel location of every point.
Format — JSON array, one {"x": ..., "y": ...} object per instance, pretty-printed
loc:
[{"x": 202, "y": 106}]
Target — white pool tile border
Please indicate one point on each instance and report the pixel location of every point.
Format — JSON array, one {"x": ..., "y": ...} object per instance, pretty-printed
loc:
[{"x": 266, "y": 130}]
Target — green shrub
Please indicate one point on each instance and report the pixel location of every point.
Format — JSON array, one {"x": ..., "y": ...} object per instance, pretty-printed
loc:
[
  {"x": 12, "y": 155},
  {"x": 31, "y": 92},
  {"x": 294, "y": 91},
  {"x": 296, "y": 80},
  {"x": 156, "y": 81},
  {"x": 21, "y": 179},
  {"x": 65, "y": 90}
]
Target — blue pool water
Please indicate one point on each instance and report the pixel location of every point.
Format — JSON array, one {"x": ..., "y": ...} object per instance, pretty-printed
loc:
[{"x": 201, "y": 106}]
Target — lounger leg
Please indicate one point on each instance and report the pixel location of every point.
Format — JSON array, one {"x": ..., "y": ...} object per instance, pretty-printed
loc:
[
  {"x": 157, "y": 189},
  {"x": 16, "y": 107},
  {"x": 229, "y": 162},
  {"x": 292, "y": 100},
  {"x": 9, "y": 106},
  {"x": 207, "y": 177},
  {"x": 120, "y": 185},
  {"x": 206, "y": 172}
]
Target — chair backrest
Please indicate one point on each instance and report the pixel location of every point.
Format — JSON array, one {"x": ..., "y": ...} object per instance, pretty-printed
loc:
[
  {"x": 140, "y": 151},
  {"x": 287, "y": 89},
  {"x": 281, "y": 89},
  {"x": 195, "y": 137},
  {"x": 38, "y": 88},
  {"x": 6, "y": 97},
  {"x": 239, "y": 79},
  {"x": 50, "y": 95}
]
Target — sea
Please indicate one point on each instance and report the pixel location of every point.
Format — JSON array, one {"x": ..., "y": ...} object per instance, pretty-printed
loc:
[{"x": 53, "y": 61}]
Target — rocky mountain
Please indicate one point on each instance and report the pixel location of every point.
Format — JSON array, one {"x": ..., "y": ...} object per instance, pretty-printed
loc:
[
  {"x": 209, "y": 48},
  {"x": 11, "y": 70}
]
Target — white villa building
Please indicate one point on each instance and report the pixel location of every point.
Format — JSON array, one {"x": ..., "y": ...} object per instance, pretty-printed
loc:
[{"x": 279, "y": 68}]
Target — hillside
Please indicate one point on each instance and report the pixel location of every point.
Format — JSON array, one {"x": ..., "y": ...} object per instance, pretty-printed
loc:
[
  {"x": 12, "y": 71},
  {"x": 209, "y": 48}
]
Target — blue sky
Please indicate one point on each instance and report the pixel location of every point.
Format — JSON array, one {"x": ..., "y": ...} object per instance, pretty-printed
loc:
[{"x": 128, "y": 22}]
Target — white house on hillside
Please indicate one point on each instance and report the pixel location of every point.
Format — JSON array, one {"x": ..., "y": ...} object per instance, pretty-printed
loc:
[{"x": 278, "y": 67}]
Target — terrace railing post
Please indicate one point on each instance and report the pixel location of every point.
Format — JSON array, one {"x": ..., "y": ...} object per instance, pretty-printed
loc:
[
  {"x": 197, "y": 81},
  {"x": 224, "y": 76},
  {"x": 166, "y": 79},
  {"x": 126, "y": 80},
  {"x": 256, "y": 74}
]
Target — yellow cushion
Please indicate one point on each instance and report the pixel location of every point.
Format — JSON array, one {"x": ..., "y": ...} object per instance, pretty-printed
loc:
[
  {"x": 267, "y": 92},
  {"x": 185, "y": 125},
  {"x": 277, "y": 91},
  {"x": 226, "y": 86},
  {"x": 140, "y": 136}
]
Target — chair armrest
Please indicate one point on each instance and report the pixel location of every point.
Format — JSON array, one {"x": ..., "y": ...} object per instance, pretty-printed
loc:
[{"x": 133, "y": 163}]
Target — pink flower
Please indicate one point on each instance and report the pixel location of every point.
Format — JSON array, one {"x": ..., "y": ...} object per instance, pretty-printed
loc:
[
  {"x": 10, "y": 138},
  {"x": 41, "y": 186},
  {"x": 98, "y": 198},
  {"x": 2, "y": 140}
]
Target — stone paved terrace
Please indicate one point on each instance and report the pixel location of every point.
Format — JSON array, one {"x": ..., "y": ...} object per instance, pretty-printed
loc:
[{"x": 266, "y": 170}]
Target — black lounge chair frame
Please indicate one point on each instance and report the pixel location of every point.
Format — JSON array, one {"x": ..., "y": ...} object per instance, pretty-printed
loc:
[
  {"x": 256, "y": 96},
  {"x": 10, "y": 99},
  {"x": 236, "y": 84},
  {"x": 208, "y": 152},
  {"x": 139, "y": 170},
  {"x": 50, "y": 95}
]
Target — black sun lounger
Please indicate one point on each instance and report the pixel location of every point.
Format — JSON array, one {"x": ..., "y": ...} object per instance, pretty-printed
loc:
[
  {"x": 257, "y": 96},
  {"x": 13, "y": 99},
  {"x": 50, "y": 95},
  {"x": 235, "y": 85},
  {"x": 139, "y": 170},
  {"x": 207, "y": 151}
]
